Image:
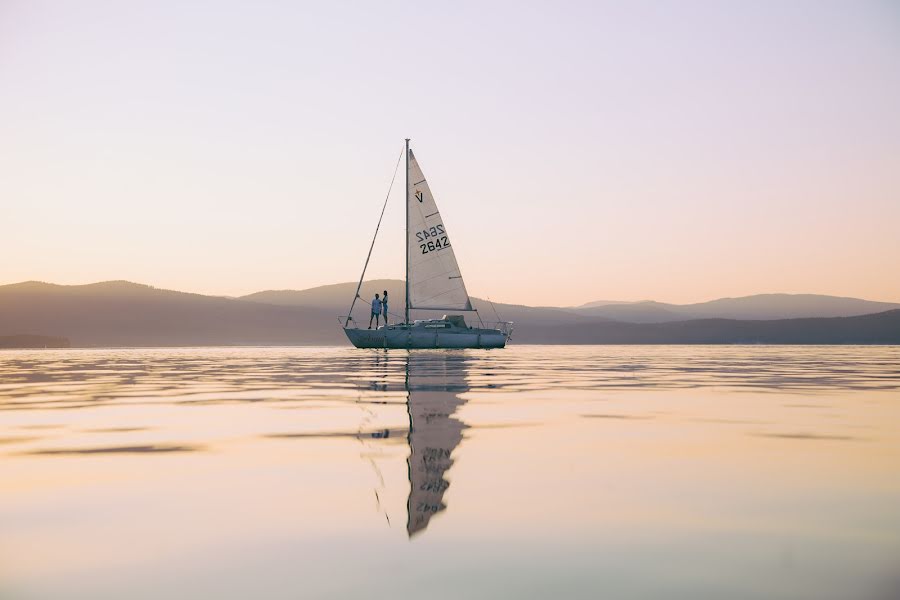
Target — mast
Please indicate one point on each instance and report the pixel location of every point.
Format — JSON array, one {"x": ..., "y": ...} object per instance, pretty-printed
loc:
[{"x": 406, "y": 241}]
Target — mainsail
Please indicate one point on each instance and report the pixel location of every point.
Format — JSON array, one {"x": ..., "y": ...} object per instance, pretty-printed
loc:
[{"x": 434, "y": 279}]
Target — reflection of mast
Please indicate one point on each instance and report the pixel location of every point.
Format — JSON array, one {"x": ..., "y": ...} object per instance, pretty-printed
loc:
[{"x": 433, "y": 382}]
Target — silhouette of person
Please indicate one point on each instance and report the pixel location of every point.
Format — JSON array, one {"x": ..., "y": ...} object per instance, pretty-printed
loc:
[
  {"x": 384, "y": 307},
  {"x": 376, "y": 311}
]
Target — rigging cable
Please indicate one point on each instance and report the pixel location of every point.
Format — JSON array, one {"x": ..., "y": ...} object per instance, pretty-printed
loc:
[
  {"x": 496, "y": 314},
  {"x": 368, "y": 256}
]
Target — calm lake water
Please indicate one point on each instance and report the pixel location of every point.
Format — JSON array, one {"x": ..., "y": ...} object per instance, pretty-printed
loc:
[{"x": 531, "y": 472}]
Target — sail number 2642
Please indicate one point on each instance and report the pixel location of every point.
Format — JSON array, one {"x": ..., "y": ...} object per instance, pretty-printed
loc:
[{"x": 433, "y": 238}]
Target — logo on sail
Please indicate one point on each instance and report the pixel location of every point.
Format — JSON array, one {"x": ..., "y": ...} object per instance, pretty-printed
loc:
[{"x": 419, "y": 196}]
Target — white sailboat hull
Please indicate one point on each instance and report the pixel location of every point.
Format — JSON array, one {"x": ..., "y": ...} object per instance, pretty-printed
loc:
[{"x": 415, "y": 337}]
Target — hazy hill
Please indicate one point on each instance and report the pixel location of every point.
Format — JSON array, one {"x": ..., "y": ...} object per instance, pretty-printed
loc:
[
  {"x": 879, "y": 328},
  {"x": 120, "y": 313},
  {"x": 597, "y": 303},
  {"x": 760, "y": 306},
  {"x": 633, "y": 312}
]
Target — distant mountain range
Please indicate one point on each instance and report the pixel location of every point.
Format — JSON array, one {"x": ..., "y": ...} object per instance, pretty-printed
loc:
[
  {"x": 760, "y": 306},
  {"x": 120, "y": 313},
  {"x": 878, "y": 328}
]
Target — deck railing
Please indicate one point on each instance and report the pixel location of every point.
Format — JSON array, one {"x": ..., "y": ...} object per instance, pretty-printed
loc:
[{"x": 504, "y": 326}]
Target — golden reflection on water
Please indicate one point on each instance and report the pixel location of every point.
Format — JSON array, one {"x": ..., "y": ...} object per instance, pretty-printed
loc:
[{"x": 667, "y": 471}]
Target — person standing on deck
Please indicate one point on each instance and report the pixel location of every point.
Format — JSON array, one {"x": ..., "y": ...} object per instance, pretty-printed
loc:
[
  {"x": 376, "y": 311},
  {"x": 384, "y": 307}
]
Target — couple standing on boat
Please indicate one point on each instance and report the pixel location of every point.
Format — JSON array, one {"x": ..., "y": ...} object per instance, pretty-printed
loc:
[{"x": 379, "y": 305}]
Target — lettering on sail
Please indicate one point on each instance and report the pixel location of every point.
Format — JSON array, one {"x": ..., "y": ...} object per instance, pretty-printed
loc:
[{"x": 439, "y": 241}]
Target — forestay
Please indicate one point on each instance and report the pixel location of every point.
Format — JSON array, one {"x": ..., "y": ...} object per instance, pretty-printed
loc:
[{"x": 434, "y": 278}]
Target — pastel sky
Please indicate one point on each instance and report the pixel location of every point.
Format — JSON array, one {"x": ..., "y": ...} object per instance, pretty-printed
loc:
[{"x": 677, "y": 151}]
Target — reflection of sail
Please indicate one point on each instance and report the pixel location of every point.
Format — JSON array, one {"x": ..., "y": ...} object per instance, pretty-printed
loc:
[{"x": 433, "y": 382}]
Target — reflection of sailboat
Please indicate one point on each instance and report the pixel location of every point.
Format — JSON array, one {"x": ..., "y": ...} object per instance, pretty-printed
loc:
[{"x": 433, "y": 384}]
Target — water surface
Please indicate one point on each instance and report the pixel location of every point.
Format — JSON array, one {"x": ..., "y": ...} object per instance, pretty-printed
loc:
[{"x": 535, "y": 471}]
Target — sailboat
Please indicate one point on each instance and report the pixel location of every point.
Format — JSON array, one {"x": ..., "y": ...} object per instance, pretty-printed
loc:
[{"x": 433, "y": 282}]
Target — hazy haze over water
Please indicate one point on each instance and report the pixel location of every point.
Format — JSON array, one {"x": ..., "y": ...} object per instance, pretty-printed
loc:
[{"x": 651, "y": 472}]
